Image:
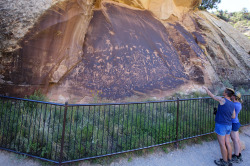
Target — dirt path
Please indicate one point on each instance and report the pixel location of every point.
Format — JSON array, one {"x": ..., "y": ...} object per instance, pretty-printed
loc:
[{"x": 194, "y": 155}]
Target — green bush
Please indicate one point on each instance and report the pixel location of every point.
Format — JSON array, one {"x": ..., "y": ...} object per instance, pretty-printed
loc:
[{"x": 38, "y": 95}]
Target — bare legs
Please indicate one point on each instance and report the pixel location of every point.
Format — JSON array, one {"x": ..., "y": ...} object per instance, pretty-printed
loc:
[
  {"x": 225, "y": 147},
  {"x": 236, "y": 140},
  {"x": 229, "y": 148}
]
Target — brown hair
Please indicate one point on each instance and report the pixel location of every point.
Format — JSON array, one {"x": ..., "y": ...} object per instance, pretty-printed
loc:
[{"x": 229, "y": 92}]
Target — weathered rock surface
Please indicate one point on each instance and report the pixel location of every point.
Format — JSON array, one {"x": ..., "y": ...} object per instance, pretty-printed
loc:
[
  {"x": 162, "y": 9},
  {"x": 17, "y": 17},
  {"x": 118, "y": 49},
  {"x": 228, "y": 50},
  {"x": 50, "y": 49}
]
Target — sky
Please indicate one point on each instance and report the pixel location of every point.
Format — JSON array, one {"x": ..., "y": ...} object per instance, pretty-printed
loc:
[{"x": 234, "y": 5}]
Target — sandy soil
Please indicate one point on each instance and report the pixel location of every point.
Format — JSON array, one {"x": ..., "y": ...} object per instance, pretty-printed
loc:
[{"x": 193, "y": 155}]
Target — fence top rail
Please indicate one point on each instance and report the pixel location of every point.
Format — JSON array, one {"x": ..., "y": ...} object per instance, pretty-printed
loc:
[
  {"x": 104, "y": 104},
  {"x": 43, "y": 102}
]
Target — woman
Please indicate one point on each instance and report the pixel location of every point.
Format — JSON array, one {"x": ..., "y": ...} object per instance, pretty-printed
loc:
[
  {"x": 223, "y": 125},
  {"x": 236, "y": 158}
]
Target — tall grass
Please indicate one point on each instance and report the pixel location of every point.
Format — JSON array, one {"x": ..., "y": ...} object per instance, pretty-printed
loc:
[{"x": 31, "y": 127}]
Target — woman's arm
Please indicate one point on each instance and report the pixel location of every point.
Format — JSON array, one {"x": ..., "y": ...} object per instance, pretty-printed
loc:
[
  {"x": 233, "y": 115},
  {"x": 217, "y": 98}
]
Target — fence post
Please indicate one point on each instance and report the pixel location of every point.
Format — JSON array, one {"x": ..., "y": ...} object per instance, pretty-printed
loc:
[
  {"x": 63, "y": 132},
  {"x": 177, "y": 123}
]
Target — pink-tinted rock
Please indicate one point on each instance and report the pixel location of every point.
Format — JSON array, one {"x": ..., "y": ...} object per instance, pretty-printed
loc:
[{"x": 117, "y": 51}]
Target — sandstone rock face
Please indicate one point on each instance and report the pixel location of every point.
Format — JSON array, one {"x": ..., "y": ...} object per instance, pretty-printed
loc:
[
  {"x": 162, "y": 9},
  {"x": 228, "y": 50},
  {"x": 121, "y": 49},
  {"x": 119, "y": 60},
  {"x": 50, "y": 49},
  {"x": 17, "y": 17}
]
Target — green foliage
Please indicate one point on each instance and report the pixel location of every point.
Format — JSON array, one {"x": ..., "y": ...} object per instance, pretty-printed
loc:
[
  {"x": 242, "y": 23},
  {"x": 38, "y": 95},
  {"x": 21, "y": 157},
  {"x": 165, "y": 149},
  {"x": 243, "y": 91},
  {"x": 195, "y": 94},
  {"x": 224, "y": 15},
  {"x": 209, "y": 4},
  {"x": 239, "y": 20},
  {"x": 233, "y": 17},
  {"x": 227, "y": 84}
]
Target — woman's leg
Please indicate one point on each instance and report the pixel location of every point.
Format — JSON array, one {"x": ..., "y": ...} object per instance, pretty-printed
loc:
[
  {"x": 229, "y": 148},
  {"x": 222, "y": 143},
  {"x": 239, "y": 143},
  {"x": 236, "y": 141}
]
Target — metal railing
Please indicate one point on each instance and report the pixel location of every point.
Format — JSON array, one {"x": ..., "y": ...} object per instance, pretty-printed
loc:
[{"x": 65, "y": 133}]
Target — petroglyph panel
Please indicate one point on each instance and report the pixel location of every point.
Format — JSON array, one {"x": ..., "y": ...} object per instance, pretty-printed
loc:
[{"x": 127, "y": 52}]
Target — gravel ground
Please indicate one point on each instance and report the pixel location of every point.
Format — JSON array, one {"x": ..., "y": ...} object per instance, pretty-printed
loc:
[{"x": 193, "y": 155}]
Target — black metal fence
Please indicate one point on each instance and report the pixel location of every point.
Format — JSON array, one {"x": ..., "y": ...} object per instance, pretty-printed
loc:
[{"x": 64, "y": 133}]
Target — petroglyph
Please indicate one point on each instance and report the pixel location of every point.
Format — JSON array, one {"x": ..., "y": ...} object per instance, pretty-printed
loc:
[
  {"x": 139, "y": 62},
  {"x": 131, "y": 48}
]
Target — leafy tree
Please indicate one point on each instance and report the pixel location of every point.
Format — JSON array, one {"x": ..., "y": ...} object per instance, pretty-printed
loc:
[
  {"x": 245, "y": 13},
  {"x": 209, "y": 4},
  {"x": 244, "y": 10},
  {"x": 239, "y": 20},
  {"x": 224, "y": 15},
  {"x": 237, "y": 16}
]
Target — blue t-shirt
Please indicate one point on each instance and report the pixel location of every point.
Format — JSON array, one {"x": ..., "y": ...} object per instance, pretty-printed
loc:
[
  {"x": 237, "y": 106},
  {"x": 224, "y": 113}
]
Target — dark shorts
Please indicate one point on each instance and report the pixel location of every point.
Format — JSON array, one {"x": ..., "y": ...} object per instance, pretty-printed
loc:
[{"x": 235, "y": 126}]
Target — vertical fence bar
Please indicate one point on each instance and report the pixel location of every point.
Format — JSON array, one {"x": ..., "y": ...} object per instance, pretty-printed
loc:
[
  {"x": 177, "y": 122},
  {"x": 91, "y": 143},
  {"x": 131, "y": 128},
  {"x": 98, "y": 129},
  {"x": 117, "y": 143},
  {"x": 123, "y": 120},
  {"x": 136, "y": 130},
  {"x": 103, "y": 127},
  {"x": 77, "y": 111},
  {"x": 108, "y": 131},
  {"x": 63, "y": 133},
  {"x": 113, "y": 131},
  {"x": 148, "y": 131},
  {"x": 81, "y": 143}
]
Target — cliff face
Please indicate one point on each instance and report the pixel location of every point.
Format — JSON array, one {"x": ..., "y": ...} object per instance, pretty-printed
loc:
[
  {"x": 162, "y": 9},
  {"x": 118, "y": 49},
  {"x": 17, "y": 17}
]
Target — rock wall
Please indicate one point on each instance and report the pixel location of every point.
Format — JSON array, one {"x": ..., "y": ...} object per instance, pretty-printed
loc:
[
  {"x": 118, "y": 49},
  {"x": 227, "y": 49},
  {"x": 17, "y": 17},
  {"x": 162, "y": 9},
  {"x": 49, "y": 50}
]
